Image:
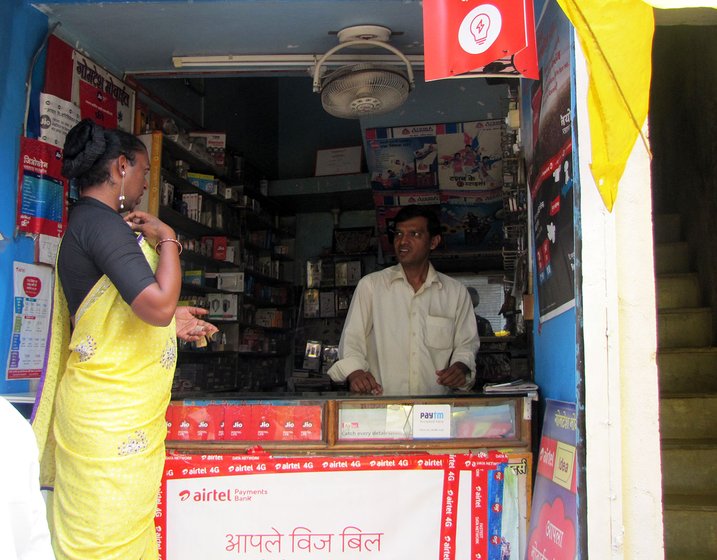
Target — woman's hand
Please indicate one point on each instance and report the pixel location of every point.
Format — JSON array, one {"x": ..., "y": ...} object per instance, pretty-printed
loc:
[
  {"x": 150, "y": 226},
  {"x": 189, "y": 326}
]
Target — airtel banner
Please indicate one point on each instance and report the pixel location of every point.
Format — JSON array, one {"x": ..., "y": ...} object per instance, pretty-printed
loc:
[{"x": 463, "y": 36}]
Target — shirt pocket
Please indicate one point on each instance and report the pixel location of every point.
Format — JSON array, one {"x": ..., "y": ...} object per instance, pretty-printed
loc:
[{"x": 439, "y": 332}]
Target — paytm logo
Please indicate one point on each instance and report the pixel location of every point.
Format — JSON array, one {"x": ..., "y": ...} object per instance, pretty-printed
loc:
[{"x": 431, "y": 415}]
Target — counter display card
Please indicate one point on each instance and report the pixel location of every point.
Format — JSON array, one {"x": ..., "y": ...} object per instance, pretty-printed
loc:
[
  {"x": 32, "y": 303},
  {"x": 339, "y": 508},
  {"x": 553, "y": 520}
]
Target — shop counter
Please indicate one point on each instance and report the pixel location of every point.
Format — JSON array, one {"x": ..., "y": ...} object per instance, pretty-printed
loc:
[
  {"x": 347, "y": 477},
  {"x": 351, "y": 424}
]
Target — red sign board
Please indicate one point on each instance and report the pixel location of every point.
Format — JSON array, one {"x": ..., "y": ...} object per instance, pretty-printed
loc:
[{"x": 464, "y": 36}]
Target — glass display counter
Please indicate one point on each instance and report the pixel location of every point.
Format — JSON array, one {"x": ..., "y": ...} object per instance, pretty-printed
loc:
[
  {"x": 350, "y": 424},
  {"x": 251, "y": 475}
]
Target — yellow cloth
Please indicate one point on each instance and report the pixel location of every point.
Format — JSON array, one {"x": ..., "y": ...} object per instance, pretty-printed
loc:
[
  {"x": 675, "y": 4},
  {"x": 616, "y": 37},
  {"x": 100, "y": 424}
]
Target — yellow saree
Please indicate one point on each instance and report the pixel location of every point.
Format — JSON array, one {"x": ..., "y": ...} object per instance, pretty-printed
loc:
[{"x": 100, "y": 425}]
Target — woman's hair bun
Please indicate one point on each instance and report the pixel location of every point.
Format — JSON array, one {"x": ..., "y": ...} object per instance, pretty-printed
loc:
[{"x": 84, "y": 145}]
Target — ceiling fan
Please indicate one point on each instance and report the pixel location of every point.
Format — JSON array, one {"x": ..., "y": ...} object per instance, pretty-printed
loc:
[{"x": 363, "y": 89}]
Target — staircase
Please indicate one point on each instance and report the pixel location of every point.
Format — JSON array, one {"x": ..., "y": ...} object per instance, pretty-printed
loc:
[{"x": 687, "y": 363}]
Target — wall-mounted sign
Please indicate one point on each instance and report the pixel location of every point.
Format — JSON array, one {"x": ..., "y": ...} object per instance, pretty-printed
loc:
[
  {"x": 482, "y": 36},
  {"x": 42, "y": 190},
  {"x": 339, "y": 161}
]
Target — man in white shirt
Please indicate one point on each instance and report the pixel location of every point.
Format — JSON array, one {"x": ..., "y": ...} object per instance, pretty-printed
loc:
[
  {"x": 410, "y": 330},
  {"x": 24, "y": 534}
]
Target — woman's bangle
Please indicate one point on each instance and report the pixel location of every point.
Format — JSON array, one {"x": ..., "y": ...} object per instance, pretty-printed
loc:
[{"x": 168, "y": 240}]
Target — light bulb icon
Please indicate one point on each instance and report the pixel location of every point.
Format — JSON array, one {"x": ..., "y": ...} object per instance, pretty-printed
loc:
[{"x": 479, "y": 28}]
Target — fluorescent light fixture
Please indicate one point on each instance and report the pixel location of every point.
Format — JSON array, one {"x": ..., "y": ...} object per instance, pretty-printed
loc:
[{"x": 283, "y": 60}]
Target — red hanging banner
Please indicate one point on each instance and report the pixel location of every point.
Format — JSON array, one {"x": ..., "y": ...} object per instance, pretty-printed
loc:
[{"x": 463, "y": 36}]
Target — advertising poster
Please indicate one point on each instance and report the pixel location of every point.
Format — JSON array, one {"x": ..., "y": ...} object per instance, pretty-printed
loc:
[
  {"x": 42, "y": 190},
  {"x": 57, "y": 117},
  {"x": 550, "y": 172},
  {"x": 340, "y": 508},
  {"x": 454, "y": 167},
  {"x": 553, "y": 518},
  {"x": 32, "y": 306},
  {"x": 470, "y": 159},
  {"x": 402, "y": 157},
  {"x": 472, "y": 220},
  {"x": 100, "y": 95}
]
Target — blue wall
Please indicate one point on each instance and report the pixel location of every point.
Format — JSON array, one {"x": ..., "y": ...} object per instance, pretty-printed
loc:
[{"x": 22, "y": 29}]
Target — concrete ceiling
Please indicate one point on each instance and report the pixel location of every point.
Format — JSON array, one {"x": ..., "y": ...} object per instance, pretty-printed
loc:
[{"x": 142, "y": 36}]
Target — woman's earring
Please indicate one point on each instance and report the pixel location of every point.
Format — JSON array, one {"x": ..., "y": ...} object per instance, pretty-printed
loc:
[{"x": 121, "y": 196}]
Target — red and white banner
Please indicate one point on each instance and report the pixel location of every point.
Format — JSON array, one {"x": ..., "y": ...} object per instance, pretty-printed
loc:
[
  {"x": 100, "y": 95},
  {"x": 466, "y": 35},
  {"x": 423, "y": 507}
]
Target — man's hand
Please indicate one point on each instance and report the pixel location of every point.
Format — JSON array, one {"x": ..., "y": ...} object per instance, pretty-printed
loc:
[
  {"x": 455, "y": 376},
  {"x": 363, "y": 382},
  {"x": 189, "y": 326}
]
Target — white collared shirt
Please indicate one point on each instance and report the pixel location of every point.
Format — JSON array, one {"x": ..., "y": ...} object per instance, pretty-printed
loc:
[
  {"x": 403, "y": 337},
  {"x": 23, "y": 524}
]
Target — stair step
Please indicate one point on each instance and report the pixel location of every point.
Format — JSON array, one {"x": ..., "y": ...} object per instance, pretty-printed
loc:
[
  {"x": 684, "y": 327},
  {"x": 667, "y": 228},
  {"x": 684, "y": 370},
  {"x": 672, "y": 257},
  {"x": 678, "y": 290},
  {"x": 688, "y": 416},
  {"x": 689, "y": 466},
  {"x": 690, "y": 526}
]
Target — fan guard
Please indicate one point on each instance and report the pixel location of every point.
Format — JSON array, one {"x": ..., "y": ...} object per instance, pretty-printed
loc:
[
  {"x": 354, "y": 91},
  {"x": 362, "y": 89}
]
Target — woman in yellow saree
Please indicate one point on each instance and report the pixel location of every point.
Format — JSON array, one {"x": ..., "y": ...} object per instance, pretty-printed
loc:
[{"x": 99, "y": 416}]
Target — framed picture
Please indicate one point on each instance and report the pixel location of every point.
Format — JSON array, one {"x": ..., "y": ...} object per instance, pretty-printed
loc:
[{"x": 339, "y": 161}]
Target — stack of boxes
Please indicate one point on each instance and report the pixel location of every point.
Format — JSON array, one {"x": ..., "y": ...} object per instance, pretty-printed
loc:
[{"x": 260, "y": 421}]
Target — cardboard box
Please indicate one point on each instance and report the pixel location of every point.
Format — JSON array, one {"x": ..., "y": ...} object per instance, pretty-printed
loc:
[
  {"x": 341, "y": 274},
  {"x": 219, "y": 246},
  {"x": 231, "y": 281},
  {"x": 208, "y": 183},
  {"x": 237, "y": 420},
  {"x": 353, "y": 272},
  {"x": 214, "y": 140},
  {"x": 285, "y": 423},
  {"x": 223, "y": 306},
  {"x": 327, "y": 304},
  {"x": 198, "y": 423},
  {"x": 263, "y": 422},
  {"x": 193, "y": 277},
  {"x": 307, "y": 419},
  {"x": 169, "y": 417}
]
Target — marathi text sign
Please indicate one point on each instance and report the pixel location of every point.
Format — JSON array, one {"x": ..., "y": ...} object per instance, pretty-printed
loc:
[
  {"x": 42, "y": 190},
  {"x": 348, "y": 508},
  {"x": 553, "y": 522},
  {"x": 100, "y": 95}
]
